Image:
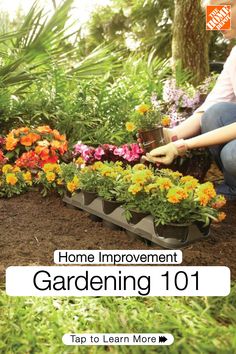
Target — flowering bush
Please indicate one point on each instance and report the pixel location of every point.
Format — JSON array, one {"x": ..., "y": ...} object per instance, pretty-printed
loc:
[
  {"x": 49, "y": 178},
  {"x": 69, "y": 177},
  {"x": 87, "y": 155},
  {"x": 34, "y": 147},
  {"x": 178, "y": 97},
  {"x": 13, "y": 181}
]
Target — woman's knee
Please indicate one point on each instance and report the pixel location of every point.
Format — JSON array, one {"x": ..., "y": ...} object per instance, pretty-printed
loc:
[
  {"x": 218, "y": 115},
  {"x": 228, "y": 158}
]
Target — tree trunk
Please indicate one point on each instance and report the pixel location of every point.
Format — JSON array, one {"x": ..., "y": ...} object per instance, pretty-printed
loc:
[{"x": 190, "y": 39}]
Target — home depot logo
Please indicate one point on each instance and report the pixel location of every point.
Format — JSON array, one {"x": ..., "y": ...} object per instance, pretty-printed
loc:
[{"x": 218, "y": 17}]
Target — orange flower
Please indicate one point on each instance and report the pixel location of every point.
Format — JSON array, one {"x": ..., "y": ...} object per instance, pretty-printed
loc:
[
  {"x": 176, "y": 194},
  {"x": 220, "y": 202},
  {"x": 18, "y": 131},
  {"x": 44, "y": 129},
  {"x": 58, "y": 136},
  {"x": 221, "y": 216},
  {"x": 203, "y": 199},
  {"x": 11, "y": 179},
  {"x": 63, "y": 148},
  {"x": 165, "y": 121},
  {"x": 29, "y": 139},
  {"x": 11, "y": 142}
]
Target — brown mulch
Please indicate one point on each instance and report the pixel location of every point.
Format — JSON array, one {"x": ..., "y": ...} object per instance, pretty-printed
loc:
[{"x": 32, "y": 227}]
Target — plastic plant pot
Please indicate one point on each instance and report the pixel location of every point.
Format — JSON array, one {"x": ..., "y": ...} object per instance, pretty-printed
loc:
[
  {"x": 205, "y": 230},
  {"x": 109, "y": 206},
  {"x": 152, "y": 138},
  {"x": 88, "y": 197},
  {"x": 136, "y": 217},
  {"x": 176, "y": 231}
]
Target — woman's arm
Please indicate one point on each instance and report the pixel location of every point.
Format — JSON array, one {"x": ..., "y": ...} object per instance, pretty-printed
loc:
[
  {"x": 215, "y": 137},
  {"x": 190, "y": 127}
]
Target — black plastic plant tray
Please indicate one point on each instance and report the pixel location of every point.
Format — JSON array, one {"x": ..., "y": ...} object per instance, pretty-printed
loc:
[{"x": 144, "y": 228}]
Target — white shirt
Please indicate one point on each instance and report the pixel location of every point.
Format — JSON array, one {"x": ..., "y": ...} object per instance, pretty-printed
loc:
[{"x": 225, "y": 87}]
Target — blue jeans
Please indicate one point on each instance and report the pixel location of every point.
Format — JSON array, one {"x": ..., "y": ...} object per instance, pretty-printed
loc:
[{"x": 220, "y": 115}]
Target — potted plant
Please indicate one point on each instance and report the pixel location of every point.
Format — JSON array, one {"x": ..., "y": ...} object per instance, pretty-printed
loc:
[
  {"x": 69, "y": 177},
  {"x": 131, "y": 191},
  {"x": 176, "y": 201},
  {"x": 88, "y": 177},
  {"x": 146, "y": 121}
]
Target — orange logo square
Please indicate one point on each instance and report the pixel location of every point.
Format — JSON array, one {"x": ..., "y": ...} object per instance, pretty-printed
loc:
[{"x": 218, "y": 18}]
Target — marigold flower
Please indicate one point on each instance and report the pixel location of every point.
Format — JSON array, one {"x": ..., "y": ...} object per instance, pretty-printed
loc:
[
  {"x": 139, "y": 167},
  {"x": 221, "y": 216},
  {"x": 80, "y": 161},
  {"x": 166, "y": 120},
  {"x": 142, "y": 108},
  {"x": 130, "y": 127},
  {"x": 164, "y": 183},
  {"x": 176, "y": 194},
  {"x": 27, "y": 176},
  {"x": 11, "y": 179},
  {"x": 219, "y": 202},
  {"x": 60, "y": 181},
  {"x": 7, "y": 168},
  {"x": 71, "y": 186},
  {"x": 50, "y": 176},
  {"x": 134, "y": 188}
]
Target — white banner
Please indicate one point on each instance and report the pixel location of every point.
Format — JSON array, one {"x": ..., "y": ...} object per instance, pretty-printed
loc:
[
  {"x": 117, "y": 281},
  {"x": 118, "y": 339}
]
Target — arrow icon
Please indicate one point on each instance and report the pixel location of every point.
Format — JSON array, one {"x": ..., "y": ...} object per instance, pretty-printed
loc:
[{"x": 162, "y": 339}]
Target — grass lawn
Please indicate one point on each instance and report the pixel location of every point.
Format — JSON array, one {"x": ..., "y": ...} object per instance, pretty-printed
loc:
[{"x": 199, "y": 325}]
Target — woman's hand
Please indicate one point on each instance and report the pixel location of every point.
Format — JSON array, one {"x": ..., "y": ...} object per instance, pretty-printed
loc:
[{"x": 167, "y": 153}]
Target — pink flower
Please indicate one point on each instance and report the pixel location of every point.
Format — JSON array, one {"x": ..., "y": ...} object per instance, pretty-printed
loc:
[
  {"x": 98, "y": 153},
  {"x": 119, "y": 151}
]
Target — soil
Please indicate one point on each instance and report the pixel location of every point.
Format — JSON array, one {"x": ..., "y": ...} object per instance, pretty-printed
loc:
[{"x": 32, "y": 227}]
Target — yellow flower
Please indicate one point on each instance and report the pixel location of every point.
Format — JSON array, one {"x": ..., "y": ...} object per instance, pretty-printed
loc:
[
  {"x": 80, "y": 161},
  {"x": 130, "y": 127},
  {"x": 71, "y": 186},
  {"x": 60, "y": 181},
  {"x": 28, "y": 178},
  {"x": 11, "y": 179},
  {"x": 150, "y": 187},
  {"x": 97, "y": 165},
  {"x": 165, "y": 121},
  {"x": 142, "y": 108},
  {"x": 50, "y": 176},
  {"x": 48, "y": 167},
  {"x": 139, "y": 167},
  {"x": 76, "y": 181},
  {"x": 164, "y": 183},
  {"x": 134, "y": 188},
  {"x": 7, "y": 168}
]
